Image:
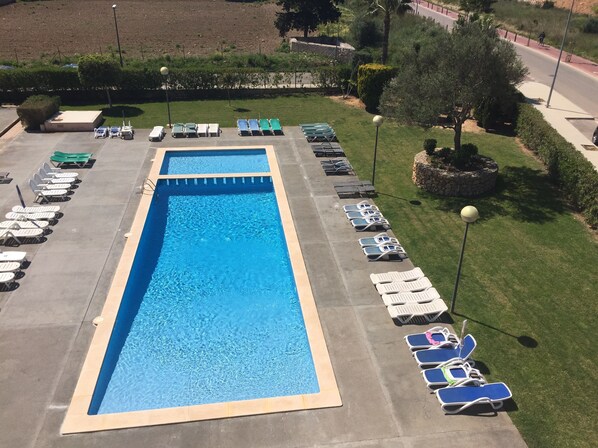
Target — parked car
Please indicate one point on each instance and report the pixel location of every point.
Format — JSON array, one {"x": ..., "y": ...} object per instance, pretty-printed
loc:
[
  {"x": 595, "y": 136},
  {"x": 157, "y": 134}
]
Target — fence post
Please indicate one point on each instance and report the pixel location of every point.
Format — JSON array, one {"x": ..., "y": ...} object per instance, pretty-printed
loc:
[
  {"x": 528, "y": 38},
  {"x": 515, "y": 40}
]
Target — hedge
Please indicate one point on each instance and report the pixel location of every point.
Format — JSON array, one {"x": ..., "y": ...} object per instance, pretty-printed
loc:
[
  {"x": 371, "y": 79},
  {"x": 575, "y": 175},
  {"x": 37, "y": 109}
]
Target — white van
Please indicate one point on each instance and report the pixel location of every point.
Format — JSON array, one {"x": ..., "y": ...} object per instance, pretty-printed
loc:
[{"x": 157, "y": 134}]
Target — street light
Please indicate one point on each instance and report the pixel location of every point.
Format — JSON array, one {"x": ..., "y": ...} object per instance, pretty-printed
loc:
[
  {"x": 470, "y": 215},
  {"x": 377, "y": 120},
  {"x": 164, "y": 72},
  {"x": 558, "y": 62},
  {"x": 117, "y": 38}
]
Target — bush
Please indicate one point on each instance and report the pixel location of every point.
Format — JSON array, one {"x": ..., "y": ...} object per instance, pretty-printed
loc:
[
  {"x": 463, "y": 157},
  {"x": 371, "y": 79},
  {"x": 37, "y": 109},
  {"x": 574, "y": 174},
  {"x": 365, "y": 32},
  {"x": 445, "y": 153},
  {"x": 590, "y": 26},
  {"x": 362, "y": 57},
  {"x": 430, "y": 145},
  {"x": 548, "y": 4}
]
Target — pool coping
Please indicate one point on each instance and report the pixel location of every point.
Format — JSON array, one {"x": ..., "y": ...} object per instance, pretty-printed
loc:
[{"x": 77, "y": 419}]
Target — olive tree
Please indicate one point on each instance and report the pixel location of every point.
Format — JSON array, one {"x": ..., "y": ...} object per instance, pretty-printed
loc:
[
  {"x": 442, "y": 83},
  {"x": 305, "y": 15}
]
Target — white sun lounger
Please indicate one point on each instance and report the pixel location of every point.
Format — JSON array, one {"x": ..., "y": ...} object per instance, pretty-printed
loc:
[
  {"x": 429, "y": 311},
  {"x": 202, "y": 130},
  {"x": 364, "y": 214},
  {"x": 49, "y": 179},
  {"x": 13, "y": 255},
  {"x": 395, "y": 276},
  {"x": 384, "y": 252},
  {"x": 45, "y": 195},
  {"x": 363, "y": 205},
  {"x": 10, "y": 266},
  {"x": 214, "y": 130},
  {"x": 17, "y": 234},
  {"x": 401, "y": 298},
  {"x": 46, "y": 216},
  {"x": 415, "y": 285},
  {"x": 36, "y": 209},
  {"x": 23, "y": 224},
  {"x": 376, "y": 240},
  {"x": 57, "y": 172},
  {"x": 48, "y": 185},
  {"x": 7, "y": 278},
  {"x": 363, "y": 224}
]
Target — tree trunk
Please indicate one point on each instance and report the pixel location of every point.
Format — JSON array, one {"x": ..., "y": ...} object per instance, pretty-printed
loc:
[
  {"x": 305, "y": 32},
  {"x": 457, "y": 139},
  {"x": 386, "y": 34},
  {"x": 109, "y": 98}
]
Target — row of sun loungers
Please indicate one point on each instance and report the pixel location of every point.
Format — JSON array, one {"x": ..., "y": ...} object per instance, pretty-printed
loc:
[
  {"x": 355, "y": 189},
  {"x": 125, "y": 131},
  {"x": 450, "y": 373},
  {"x": 261, "y": 126},
  {"x": 318, "y": 132},
  {"x": 195, "y": 130},
  {"x": 11, "y": 263}
]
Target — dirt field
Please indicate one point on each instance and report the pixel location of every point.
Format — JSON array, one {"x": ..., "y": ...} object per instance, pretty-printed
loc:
[{"x": 148, "y": 27}]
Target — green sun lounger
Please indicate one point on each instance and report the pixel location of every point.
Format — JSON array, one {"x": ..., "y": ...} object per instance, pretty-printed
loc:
[
  {"x": 79, "y": 161},
  {"x": 265, "y": 126},
  {"x": 178, "y": 130},
  {"x": 73, "y": 154},
  {"x": 275, "y": 126}
]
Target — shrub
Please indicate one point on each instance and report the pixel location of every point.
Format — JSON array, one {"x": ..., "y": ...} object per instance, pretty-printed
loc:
[
  {"x": 445, "y": 153},
  {"x": 571, "y": 171},
  {"x": 365, "y": 32},
  {"x": 371, "y": 80},
  {"x": 37, "y": 109},
  {"x": 548, "y": 4},
  {"x": 463, "y": 157},
  {"x": 430, "y": 145},
  {"x": 590, "y": 26},
  {"x": 362, "y": 57}
]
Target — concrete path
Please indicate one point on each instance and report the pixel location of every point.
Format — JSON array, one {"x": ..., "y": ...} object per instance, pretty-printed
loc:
[
  {"x": 559, "y": 115},
  {"x": 45, "y": 324}
]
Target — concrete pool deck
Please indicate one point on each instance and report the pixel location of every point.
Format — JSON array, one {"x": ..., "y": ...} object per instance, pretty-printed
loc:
[{"x": 45, "y": 323}]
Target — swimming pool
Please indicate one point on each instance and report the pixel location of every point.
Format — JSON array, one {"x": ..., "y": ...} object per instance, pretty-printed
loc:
[
  {"x": 216, "y": 162},
  {"x": 238, "y": 332}
]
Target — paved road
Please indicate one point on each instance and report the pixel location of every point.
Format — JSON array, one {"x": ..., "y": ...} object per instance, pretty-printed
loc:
[{"x": 580, "y": 88}]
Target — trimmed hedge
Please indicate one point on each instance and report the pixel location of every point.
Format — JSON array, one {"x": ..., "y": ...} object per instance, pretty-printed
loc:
[
  {"x": 371, "y": 79},
  {"x": 574, "y": 174},
  {"x": 37, "y": 109}
]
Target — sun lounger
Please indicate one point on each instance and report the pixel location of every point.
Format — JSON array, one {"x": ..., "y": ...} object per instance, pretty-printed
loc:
[
  {"x": 243, "y": 127},
  {"x": 57, "y": 172},
  {"x": 7, "y": 278},
  {"x": 4, "y": 176},
  {"x": 157, "y": 134},
  {"x": 341, "y": 170},
  {"x": 254, "y": 127},
  {"x": 311, "y": 125},
  {"x": 435, "y": 356},
  {"x": 127, "y": 132},
  {"x": 75, "y": 155},
  {"x": 370, "y": 223},
  {"x": 345, "y": 192},
  {"x": 10, "y": 266},
  {"x": 178, "y": 130},
  {"x": 50, "y": 185},
  {"x": 214, "y": 130},
  {"x": 36, "y": 209},
  {"x": 15, "y": 216},
  {"x": 376, "y": 240},
  {"x": 20, "y": 234},
  {"x": 265, "y": 125},
  {"x": 456, "y": 373},
  {"x": 335, "y": 162},
  {"x": 429, "y": 311},
  {"x": 384, "y": 252},
  {"x": 60, "y": 161},
  {"x": 416, "y": 285},
  {"x": 332, "y": 152},
  {"x": 363, "y": 214},
  {"x": 456, "y": 399},
  {"x": 101, "y": 132},
  {"x": 13, "y": 255},
  {"x": 401, "y": 298},
  {"x": 275, "y": 126},
  {"x": 202, "y": 130},
  {"x": 190, "y": 129},
  {"x": 49, "y": 179},
  {"x": 23, "y": 224},
  {"x": 395, "y": 276},
  {"x": 363, "y": 205},
  {"x": 114, "y": 131},
  {"x": 46, "y": 195},
  {"x": 435, "y": 336},
  {"x": 321, "y": 137}
]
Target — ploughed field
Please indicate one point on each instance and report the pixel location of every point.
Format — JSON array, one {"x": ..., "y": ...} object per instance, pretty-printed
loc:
[{"x": 147, "y": 28}]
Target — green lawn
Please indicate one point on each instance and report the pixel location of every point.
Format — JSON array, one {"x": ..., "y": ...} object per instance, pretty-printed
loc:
[{"x": 528, "y": 285}]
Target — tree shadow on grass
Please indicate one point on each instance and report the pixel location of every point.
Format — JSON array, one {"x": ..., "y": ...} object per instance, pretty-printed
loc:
[
  {"x": 122, "y": 111},
  {"x": 521, "y": 193},
  {"x": 241, "y": 109}
]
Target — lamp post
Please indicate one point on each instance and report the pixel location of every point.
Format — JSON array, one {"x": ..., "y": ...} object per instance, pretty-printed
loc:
[
  {"x": 377, "y": 120},
  {"x": 117, "y": 38},
  {"x": 470, "y": 215},
  {"x": 558, "y": 62},
  {"x": 164, "y": 72}
]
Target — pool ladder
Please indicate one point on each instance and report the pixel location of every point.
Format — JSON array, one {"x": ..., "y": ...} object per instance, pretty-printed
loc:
[{"x": 148, "y": 186}]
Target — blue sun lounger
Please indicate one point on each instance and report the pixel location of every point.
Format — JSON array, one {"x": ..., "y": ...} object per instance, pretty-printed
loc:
[
  {"x": 243, "y": 127},
  {"x": 434, "y": 337},
  {"x": 454, "y": 374},
  {"x": 254, "y": 127},
  {"x": 436, "y": 356},
  {"x": 456, "y": 399}
]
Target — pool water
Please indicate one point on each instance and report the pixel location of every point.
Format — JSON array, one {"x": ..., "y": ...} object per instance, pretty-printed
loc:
[
  {"x": 210, "y": 312},
  {"x": 215, "y": 162}
]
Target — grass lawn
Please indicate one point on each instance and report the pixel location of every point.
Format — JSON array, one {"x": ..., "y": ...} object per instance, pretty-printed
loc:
[{"x": 528, "y": 284}]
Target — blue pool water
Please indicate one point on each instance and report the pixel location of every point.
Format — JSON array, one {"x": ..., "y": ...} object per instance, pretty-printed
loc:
[
  {"x": 215, "y": 162},
  {"x": 210, "y": 312}
]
